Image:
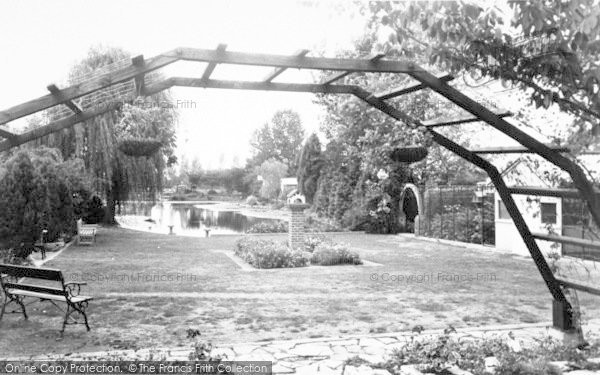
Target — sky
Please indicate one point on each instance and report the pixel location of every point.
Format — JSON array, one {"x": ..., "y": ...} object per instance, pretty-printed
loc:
[{"x": 42, "y": 40}]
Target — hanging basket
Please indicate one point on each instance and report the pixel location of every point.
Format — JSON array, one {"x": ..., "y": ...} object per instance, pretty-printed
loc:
[
  {"x": 410, "y": 154},
  {"x": 138, "y": 147}
]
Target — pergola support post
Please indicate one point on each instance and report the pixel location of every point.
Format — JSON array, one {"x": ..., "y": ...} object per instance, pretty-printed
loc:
[
  {"x": 562, "y": 310},
  {"x": 562, "y": 313}
]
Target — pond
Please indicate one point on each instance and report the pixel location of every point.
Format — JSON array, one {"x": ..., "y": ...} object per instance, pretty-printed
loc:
[{"x": 186, "y": 218}]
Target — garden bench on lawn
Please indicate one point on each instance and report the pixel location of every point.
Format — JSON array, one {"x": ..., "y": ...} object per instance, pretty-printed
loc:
[
  {"x": 86, "y": 233},
  {"x": 19, "y": 282}
]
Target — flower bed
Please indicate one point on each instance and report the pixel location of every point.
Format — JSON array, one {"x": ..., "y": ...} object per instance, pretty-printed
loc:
[
  {"x": 269, "y": 227},
  {"x": 269, "y": 254},
  {"x": 318, "y": 251},
  {"x": 491, "y": 356},
  {"x": 328, "y": 253}
]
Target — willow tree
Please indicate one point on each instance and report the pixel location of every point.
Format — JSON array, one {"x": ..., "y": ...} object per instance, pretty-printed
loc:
[{"x": 125, "y": 150}]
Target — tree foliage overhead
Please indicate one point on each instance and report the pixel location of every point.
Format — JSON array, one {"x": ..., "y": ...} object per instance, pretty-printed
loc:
[{"x": 549, "y": 49}]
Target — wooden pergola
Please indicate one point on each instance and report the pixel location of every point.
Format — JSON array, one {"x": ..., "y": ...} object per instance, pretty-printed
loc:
[{"x": 139, "y": 67}]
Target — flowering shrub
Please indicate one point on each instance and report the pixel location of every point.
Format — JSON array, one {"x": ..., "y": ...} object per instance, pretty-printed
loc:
[
  {"x": 441, "y": 353},
  {"x": 311, "y": 242},
  {"x": 269, "y": 254},
  {"x": 251, "y": 200},
  {"x": 330, "y": 254},
  {"x": 269, "y": 227}
]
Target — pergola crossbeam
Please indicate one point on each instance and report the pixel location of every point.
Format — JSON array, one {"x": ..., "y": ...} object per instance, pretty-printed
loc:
[
  {"x": 6, "y": 134},
  {"x": 546, "y": 192},
  {"x": 407, "y": 90},
  {"x": 336, "y": 77},
  {"x": 568, "y": 240},
  {"x": 213, "y": 64},
  {"x": 374, "y": 65},
  {"x": 56, "y": 126},
  {"x": 294, "y": 62},
  {"x": 459, "y": 121},
  {"x": 83, "y": 88},
  {"x": 578, "y": 285},
  {"x": 69, "y": 103},
  {"x": 277, "y": 71},
  {"x": 515, "y": 150},
  {"x": 264, "y": 86}
]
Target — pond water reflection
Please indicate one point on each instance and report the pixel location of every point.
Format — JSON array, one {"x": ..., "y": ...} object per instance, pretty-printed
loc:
[{"x": 186, "y": 218}]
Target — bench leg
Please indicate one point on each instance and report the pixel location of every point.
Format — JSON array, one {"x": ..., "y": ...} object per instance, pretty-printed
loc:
[
  {"x": 67, "y": 315},
  {"x": 81, "y": 308},
  {"x": 8, "y": 299},
  {"x": 75, "y": 307},
  {"x": 3, "y": 306},
  {"x": 20, "y": 302}
]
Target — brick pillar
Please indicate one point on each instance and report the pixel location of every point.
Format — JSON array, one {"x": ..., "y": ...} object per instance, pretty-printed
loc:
[{"x": 296, "y": 228}]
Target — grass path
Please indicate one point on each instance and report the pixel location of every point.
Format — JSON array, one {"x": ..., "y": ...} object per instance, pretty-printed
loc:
[{"x": 204, "y": 289}]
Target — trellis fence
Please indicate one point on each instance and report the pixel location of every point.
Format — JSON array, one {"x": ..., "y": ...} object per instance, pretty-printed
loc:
[{"x": 458, "y": 213}]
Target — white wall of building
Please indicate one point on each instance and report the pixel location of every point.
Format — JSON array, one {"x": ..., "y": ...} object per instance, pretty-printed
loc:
[{"x": 507, "y": 235}]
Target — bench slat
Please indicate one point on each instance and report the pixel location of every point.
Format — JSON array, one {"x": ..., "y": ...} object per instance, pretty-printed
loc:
[
  {"x": 35, "y": 288},
  {"x": 34, "y": 273},
  {"x": 55, "y": 297}
]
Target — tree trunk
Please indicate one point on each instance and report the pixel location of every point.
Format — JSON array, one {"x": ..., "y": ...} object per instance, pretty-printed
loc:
[{"x": 109, "y": 213}]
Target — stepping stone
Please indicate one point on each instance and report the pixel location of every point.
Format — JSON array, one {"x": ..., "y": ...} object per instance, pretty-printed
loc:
[
  {"x": 343, "y": 342},
  {"x": 409, "y": 370},
  {"x": 244, "y": 349},
  {"x": 369, "y": 342},
  {"x": 361, "y": 370},
  {"x": 562, "y": 366},
  {"x": 388, "y": 340},
  {"x": 311, "y": 350},
  {"x": 279, "y": 369},
  {"x": 308, "y": 370},
  {"x": 372, "y": 358},
  {"x": 457, "y": 371},
  {"x": 332, "y": 363}
]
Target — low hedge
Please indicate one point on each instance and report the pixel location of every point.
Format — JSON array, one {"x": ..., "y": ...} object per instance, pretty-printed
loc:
[{"x": 269, "y": 254}]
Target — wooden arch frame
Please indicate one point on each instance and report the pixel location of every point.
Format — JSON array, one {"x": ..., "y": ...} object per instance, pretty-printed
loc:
[{"x": 342, "y": 67}]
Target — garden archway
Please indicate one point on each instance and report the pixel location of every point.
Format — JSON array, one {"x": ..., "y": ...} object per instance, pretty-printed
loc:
[
  {"x": 411, "y": 207},
  {"x": 137, "y": 73}
]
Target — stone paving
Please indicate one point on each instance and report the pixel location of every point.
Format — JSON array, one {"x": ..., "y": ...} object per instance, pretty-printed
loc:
[{"x": 331, "y": 355}]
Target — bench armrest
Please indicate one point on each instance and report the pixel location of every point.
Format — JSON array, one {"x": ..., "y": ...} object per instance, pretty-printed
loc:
[{"x": 73, "y": 288}]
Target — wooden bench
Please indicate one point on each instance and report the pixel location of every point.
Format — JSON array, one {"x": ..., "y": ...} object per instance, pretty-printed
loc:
[
  {"x": 42, "y": 284},
  {"x": 86, "y": 233}
]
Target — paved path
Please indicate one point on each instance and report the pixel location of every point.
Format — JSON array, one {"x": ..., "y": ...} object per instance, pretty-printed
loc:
[{"x": 330, "y": 355}]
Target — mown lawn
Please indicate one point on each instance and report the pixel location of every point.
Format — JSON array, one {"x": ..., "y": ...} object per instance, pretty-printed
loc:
[{"x": 148, "y": 289}]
